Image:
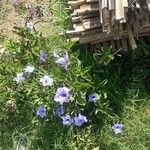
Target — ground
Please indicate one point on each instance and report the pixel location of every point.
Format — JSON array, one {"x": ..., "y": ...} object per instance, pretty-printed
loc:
[{"x": 17, "y": 16}]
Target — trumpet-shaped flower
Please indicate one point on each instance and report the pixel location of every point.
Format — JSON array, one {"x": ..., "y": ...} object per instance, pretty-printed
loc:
[
  {"x": 92, "y": 97},
  {"x": 59, "y": 111},
  {"x": 19, "y": 78},
  {"x": 80, "y": 120},
  {"x": 117, "y": 128},
  {"x": 46, "y": 81},
  {"x": 43, "y": 56},
  {"x": 62, "y": 60},
  {"x": 29, "y": 69},
  {"x": 29, "y": 25},
  {"x": 67, "y": 120},
  {"x": 62, "y": 95},
  {"x": 41, "y": 111}
]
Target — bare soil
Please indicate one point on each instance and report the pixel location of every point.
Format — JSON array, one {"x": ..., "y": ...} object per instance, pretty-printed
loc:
[{"x": 11, "y": 16}]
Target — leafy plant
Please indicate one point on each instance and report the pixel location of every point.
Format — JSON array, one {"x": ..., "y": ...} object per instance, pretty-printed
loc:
[
  {"x": 32, "y": 62},
  {"x": 60, "y": 15},
  {"x": 104, "y": 55}
]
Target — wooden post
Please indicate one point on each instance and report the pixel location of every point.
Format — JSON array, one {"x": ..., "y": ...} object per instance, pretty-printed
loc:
[{"x": 131, "y": 38}]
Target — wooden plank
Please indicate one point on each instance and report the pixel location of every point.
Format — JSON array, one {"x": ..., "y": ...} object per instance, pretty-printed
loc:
[
  {"x": 78, "y": 19},
  {"x": 93, "y": 38},
  {"x": 74, "y": 39},
  {"x": 91, "y": 32},
  {"x": 102, "y": 37},
  {"x": 78, "y": 27},
  {"x": 73, "y": 32},
  {"x": 91, "y": 23},
  {"x": 106, "y": 20},
  {"x": 110, "y": 37},
  {"x": 104, "y": 4},
  {"x": 87, "y": 24},
  {"x": 91, "y": 1},
  {"x": 111, "y": 4},
  {"x": 105, "y": 15},
  {"x": 124, "y": 43},
  {"x": 119, "y": 10},
  {"x": 100, "y": 11},
  {"x": 131, "y": 37},
  {"x": 148, "y": 4},
  {"x": 87, "y": 9},
  {"x": 125, "y": 3},
  {"x": 78, "y": 2}
]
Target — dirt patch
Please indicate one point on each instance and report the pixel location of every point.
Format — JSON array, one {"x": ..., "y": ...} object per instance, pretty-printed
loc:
[{"x": 35, "y": 10}]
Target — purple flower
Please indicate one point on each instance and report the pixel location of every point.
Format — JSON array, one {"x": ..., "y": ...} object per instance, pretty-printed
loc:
[
  {"x": 59, "y": 111},
  {"x": 80, "y": 120},
  {"x": 92, "y": 97},
  {"x": 29, "y": 69},
  {"x": 62, "y": 60},
  {"x": 117, "y": 128},
  {"x": 41, "y": 111},
  {"x": 29, "y": 25},
  {"x": 62, "y": 95},
  {"x": 46, "y": 81},
  {"x": 43, "y": 56},
  {"x": 67, "y": 120},
  {"x": 19, "y": 78}
]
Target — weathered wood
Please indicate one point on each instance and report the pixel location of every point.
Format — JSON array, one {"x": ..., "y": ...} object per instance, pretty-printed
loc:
[
  {"x": 73, "y": 32},
  {"x": 148, "y": 4},
  {"x": 119, "y": 10},
  {"x": 92, "y": 32},
  {"x": 78, "y": 19},
  {"x": 124, "y": 43},
  {"x": 92, "y": 38},
  {"x": 111, "y": 4},
  {"x": 103, "y": 37},
  {"x": 91, "y": 1},
  {"x": 80, "y": 2},
  {"x": 78, "y": 27},
  {"x": 88, "y": 7},
  {"x": 115, "y": 22},
  {"x": 87, "y": 24},
  {"x": 131, "y": 37},
  {"x": 91, "y": 23},
  {"x": 104, "y": 4}
]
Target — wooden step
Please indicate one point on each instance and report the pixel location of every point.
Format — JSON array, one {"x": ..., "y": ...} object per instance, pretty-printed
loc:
[{"x": 80, "y": 2}]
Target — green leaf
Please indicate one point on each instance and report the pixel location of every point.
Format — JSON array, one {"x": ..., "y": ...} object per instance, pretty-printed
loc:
[
  {"x": 81, "y": 99},
  {"x": 105, "y": 95},
  {"x": 104, "y": 82},
  {"x": 96, "y": 57}
]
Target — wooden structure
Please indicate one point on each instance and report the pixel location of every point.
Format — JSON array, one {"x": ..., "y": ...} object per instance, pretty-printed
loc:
[{"x": 109, "y": 22}]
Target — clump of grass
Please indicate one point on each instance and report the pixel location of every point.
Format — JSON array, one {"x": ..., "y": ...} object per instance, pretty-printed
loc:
[
  {"x": 60, "y": 15},
  {"x": 129, "y": 99},
  {"x": 20, "y": 9}
]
